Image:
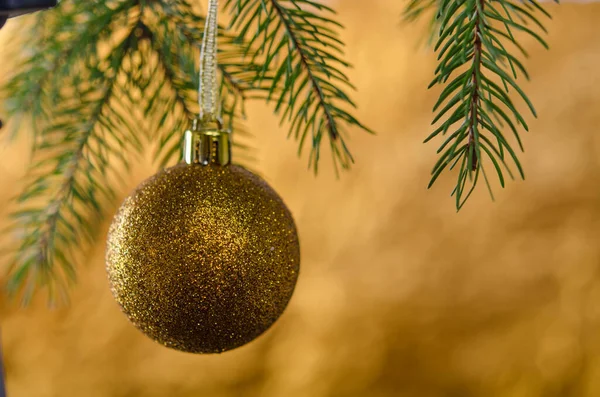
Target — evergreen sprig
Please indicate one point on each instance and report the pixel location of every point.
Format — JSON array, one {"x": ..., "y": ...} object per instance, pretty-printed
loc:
[
  {"x": 103, "y": 81},
  {"x": 74, "y": 151},
  {"x": 478, "y": 43},
  {"x": 299, "y": 45}
]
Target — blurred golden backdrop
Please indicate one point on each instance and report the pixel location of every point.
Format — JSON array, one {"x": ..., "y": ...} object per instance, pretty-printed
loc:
[{"x": 398, "y": 295}]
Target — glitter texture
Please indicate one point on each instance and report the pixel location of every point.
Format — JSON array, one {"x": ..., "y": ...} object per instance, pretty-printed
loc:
[{"x": 203, "y": 259}]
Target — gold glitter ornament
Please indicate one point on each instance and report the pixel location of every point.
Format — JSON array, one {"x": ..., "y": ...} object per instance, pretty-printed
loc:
[{"x": 203, "y": 258}]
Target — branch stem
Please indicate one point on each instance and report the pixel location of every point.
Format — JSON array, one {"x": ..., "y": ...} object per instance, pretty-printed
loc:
[{"x": 476, "y": 69}]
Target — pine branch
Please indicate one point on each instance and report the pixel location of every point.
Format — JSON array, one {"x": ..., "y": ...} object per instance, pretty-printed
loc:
[
  {"x": 478, "y": 69},
  {"x": 74, "y": 147},
  {"x": 301, "y": 51}
]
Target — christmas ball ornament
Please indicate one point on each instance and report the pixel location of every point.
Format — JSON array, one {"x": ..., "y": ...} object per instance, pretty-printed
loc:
[{"x": 204, "y": 256}]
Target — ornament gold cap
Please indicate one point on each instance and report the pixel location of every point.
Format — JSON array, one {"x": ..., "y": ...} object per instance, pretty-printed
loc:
[{"x": 206, "y": 142}]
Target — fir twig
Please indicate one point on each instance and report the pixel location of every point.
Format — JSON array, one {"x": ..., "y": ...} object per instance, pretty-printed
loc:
[
  {"x": 301, "y": 51},
  {"x": 69, "y": 174},
  {"x": 478, "y": 69}
]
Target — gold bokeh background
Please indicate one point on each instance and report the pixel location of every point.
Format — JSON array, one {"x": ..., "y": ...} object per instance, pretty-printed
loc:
[{"x": 398, "y": 295}]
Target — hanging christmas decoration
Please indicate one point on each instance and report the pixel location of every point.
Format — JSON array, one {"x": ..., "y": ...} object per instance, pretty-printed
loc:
[{"x": 204, "y": 256}]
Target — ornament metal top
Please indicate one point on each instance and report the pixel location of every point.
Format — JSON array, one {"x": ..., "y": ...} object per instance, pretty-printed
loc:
[{"x": 207, "y": 143}]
